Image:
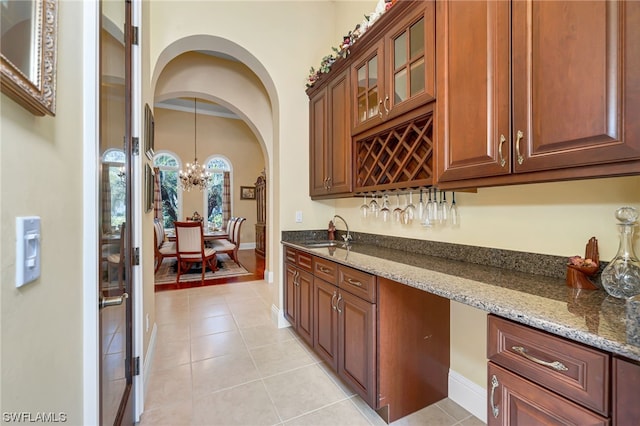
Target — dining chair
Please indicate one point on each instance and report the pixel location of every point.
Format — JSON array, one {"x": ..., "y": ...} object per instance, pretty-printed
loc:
[
  {"x": 232, "y": 244},
  {"x": 190, "y": 248},
  {"x": 162, "y": 249},
  {"x": 116, "y": 260}
]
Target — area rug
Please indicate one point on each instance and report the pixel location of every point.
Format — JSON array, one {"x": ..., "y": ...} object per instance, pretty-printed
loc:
[{"x": 226, "y": 268}]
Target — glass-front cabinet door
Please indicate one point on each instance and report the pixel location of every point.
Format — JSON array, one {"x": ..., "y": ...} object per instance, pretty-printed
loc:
[
  {"x": 411, "y": 80},
  {"x": 368, "y": 75}
]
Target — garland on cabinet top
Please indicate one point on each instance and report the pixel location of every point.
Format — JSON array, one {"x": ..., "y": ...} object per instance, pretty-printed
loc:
[{"x": 348, "y": 41}]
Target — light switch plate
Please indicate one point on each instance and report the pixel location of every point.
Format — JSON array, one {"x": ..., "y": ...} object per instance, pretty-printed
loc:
[
  {"x": 27, "y": 249},
  {"x": 298, "y": 216}
]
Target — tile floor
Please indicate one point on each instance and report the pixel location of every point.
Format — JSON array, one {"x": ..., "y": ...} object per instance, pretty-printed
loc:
[{"x": 220, "y": 360}]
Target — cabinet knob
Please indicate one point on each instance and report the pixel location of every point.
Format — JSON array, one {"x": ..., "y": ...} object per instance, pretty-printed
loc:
[{"x": 519, "y": 137}]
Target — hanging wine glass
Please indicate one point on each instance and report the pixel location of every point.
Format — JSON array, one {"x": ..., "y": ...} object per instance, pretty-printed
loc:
[
  {"x": 364, "y": 208},
  {"x": 409, "y": 211},
  {"x": 421, "y": 209},
  {"x": 431, "y": 208},
  {"x": 374, "y": 208},
  {"x": 453, "y": 212},
  {"x": 444, "y": 207},
  {"x": 385, "y": 211},
  {"x": 397, "y": 212}
]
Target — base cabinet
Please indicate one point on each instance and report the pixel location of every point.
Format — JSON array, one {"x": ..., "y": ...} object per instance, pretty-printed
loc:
[
  {"x": 298, "y": 295},
  {"x": 516, "y": 401},
  {"x": 626, "y": 384}
]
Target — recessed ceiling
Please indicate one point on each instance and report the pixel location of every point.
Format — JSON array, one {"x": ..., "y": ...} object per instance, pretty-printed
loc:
[{"x": 204, "y": 107}]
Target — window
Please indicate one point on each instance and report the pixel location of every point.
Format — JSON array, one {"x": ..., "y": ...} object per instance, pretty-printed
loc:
[
  {"x": 213, "y": 201},
  {"x": 169, "y": 167},
  {"x": 114, "y": 203}
]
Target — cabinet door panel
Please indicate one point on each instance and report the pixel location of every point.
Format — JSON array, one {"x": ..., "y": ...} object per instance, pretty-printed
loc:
[
  {"x": 357, "y": 345},
  {"x": 519, "y": 402},
  {"x": 325, "y": 333},
  {"x": 340, "y": 152},
  {"x": 290, "y": 311},
  {"x": 367, "y": 79},
  {"x": 305, "y": 307},
  {"x": 567, "y": 90},
  {"x": 473, "y": 89},
  {"x": 318, "y": 140}
]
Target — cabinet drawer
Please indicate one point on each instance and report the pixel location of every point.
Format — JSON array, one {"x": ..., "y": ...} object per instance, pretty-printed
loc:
[
  {"x": 326, "y": 270},
  {"x": 357, "y": 283},
  {"x": 304, "y": 260},
  {"x": 575, "y": 371},
  {"x": 290, "y": 254}
]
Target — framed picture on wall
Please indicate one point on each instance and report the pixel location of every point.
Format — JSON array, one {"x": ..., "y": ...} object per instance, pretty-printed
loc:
[
  {"x": 247, "y": 192},
  {"x": 148, "y": 181},
  {"x": 149, "y": 129}
]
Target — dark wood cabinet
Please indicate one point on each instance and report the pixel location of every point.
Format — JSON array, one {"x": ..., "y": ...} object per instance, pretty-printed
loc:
[
  {"x": 298, "y": 294},
  {"x": 261, "y": 215},
  {"x": 533, "y": 91},
  {"x": 626, "y": 383},
  {"x": 330, "y": 162},
  {"x": 325, "y": 333},
  {"x": 515, "y": 401},
  {"x": 396, "y": 73},
  {"x": 539, "y": 378}
]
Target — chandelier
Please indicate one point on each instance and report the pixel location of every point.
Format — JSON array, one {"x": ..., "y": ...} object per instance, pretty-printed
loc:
[{"x": 195, "y": 175}]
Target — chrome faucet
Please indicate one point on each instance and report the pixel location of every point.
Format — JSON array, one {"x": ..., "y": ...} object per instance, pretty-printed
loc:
[{"x": 346, "y": 238}]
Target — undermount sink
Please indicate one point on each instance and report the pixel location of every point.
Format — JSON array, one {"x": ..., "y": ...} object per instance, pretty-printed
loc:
[{"x": 323, "y": 243}]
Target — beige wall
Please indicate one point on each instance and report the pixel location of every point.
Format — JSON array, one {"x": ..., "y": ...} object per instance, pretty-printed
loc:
[
  {"x": 229, "y": 138},
  {"x": 41, "y": 174}
]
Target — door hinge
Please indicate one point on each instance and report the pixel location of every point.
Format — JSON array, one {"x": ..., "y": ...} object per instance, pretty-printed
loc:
[
  {"x": 135, "y": 141},
  {"x": 136, "y": 366},
  {"x": 136, "y": 256},
  {"x": 134, "y": 35}
]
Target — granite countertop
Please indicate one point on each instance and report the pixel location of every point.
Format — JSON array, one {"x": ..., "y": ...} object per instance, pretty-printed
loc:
[{"x": 591, "y": 317}]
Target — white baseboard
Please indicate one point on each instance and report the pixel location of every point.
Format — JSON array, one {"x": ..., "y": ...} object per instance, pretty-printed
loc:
[
  {"x": 148, "y": 359},
  {"x": 278, "y": 317},
  {"x": 469, "y": 395},
  {"x": 247, "y": 246}
]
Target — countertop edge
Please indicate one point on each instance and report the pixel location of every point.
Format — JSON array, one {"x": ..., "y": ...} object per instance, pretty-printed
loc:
[{"x": 492, "y": 299}]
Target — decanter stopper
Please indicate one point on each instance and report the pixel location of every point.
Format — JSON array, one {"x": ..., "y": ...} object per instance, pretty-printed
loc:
[{"x": 621, "y": 277}]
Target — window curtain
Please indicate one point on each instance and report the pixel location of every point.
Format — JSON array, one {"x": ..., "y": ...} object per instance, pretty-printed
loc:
[
  {"x": 106, "y": 200},
  {"x": 226, "y": 197},
  {"x": 157, "y": 195}
]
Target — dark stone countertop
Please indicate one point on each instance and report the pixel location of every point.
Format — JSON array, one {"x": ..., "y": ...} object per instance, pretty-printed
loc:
[{"x": 591, "y": 317}]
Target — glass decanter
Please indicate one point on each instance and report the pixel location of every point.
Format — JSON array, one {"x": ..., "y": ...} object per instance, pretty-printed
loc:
[{"x": 621, "y": 277}]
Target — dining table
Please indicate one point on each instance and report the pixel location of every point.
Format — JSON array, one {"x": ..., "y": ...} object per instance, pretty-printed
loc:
[{"x": 209, "y": 235}]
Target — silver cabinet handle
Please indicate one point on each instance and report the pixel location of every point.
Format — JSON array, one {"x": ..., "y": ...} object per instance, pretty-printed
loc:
[
  {"x": 338, "y": 304},
  {"x": 494, "y": 384},
  {"x": 352, "y": 282},
  {"x": 379, "y": 108},
  {"x": 323, "y": 269},
  {"x": 333, "y": 306},
  {"x": 556, "y": 365},
  {"x": 384, "y": 104},
  {"x": 502, "y": 141},
  {"x": 112, "y": 300},
  {"x": 519, "y": 137}
]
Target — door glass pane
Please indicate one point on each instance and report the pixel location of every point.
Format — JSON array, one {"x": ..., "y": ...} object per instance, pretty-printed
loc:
[
  {"x": 362, "y": 80},
  {"x": 362, "y": 108},
  {"x": 417, "y": 77},
  {"x": 400, "y": 86},
  {"x": 373, "y": 71},
  {"x": 416, "y": 40},
  {"x": 373, "y": 103},
  {"x": 400, "y": 51}
]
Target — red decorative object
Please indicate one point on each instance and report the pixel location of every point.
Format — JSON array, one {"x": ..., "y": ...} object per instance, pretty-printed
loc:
[{"x": 580, "y": 269}]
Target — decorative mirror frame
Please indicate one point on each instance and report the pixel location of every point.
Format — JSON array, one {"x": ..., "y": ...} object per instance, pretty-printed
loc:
[{"x": 38, "y": 97}]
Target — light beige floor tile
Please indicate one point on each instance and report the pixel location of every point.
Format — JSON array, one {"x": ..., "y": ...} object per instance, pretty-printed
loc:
[
  {"x": 252, "y": 304},
  {"x": 367, "y": 411},
  {"x": 209, "y": 310},
  {"x": 163, "y": 318},
  {"x": 265, "y": 335},
  {"x": 169, "y": 387},
  {"x": 429, "y": 416},
  {"x": 252, "y": 319},
  {"x": 348, "y": 391},
  {"x": 168, "y": 415},
  {"x": 247, "y": 404},
  {"x": 197, "y": 301},
  {"x": 218, "y": 344},
  {"x": 299, "y": 391},
  {"x": 173, "y": 332},
  {"x": 170, "y": 354},
  {"x": 222, "y": 372},
  {"x": 472, "y": 421},
  {"x": 342, "y": 413},
  {"x": 280, "y": 357},
  {"x": 453, "y": 409},
  {"x": 212, "y": 325}
]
